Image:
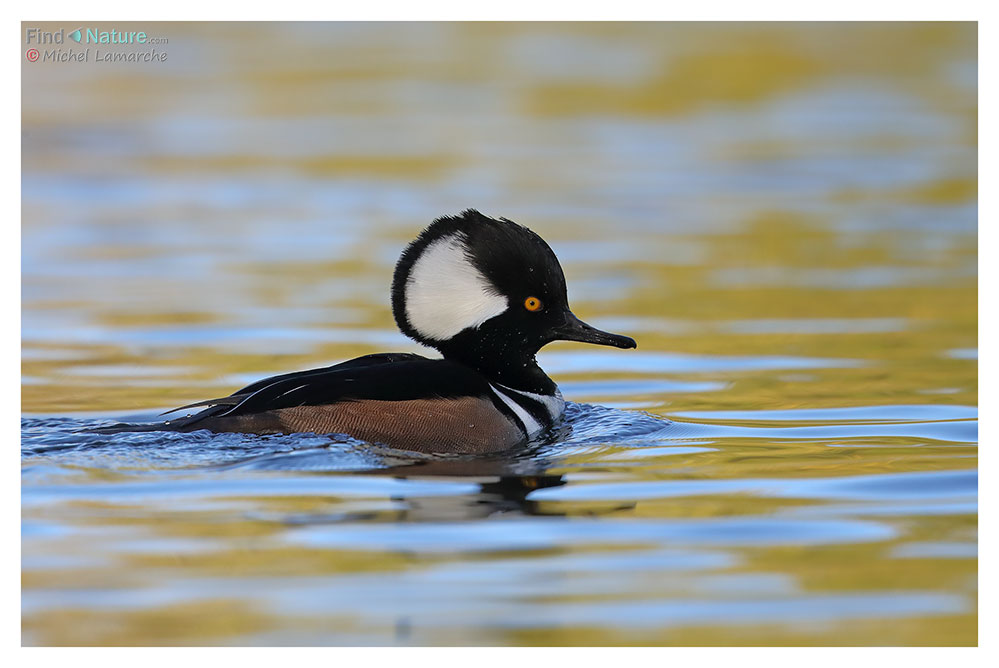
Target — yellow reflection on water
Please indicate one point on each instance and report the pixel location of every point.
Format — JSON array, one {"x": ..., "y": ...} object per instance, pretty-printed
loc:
[{"x": 735, "y": 192}]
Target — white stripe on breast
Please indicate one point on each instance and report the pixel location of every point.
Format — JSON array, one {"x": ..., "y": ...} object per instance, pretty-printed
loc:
[
  {"x": 531, "y": 425},
  {"x": 553, "y": 402}
]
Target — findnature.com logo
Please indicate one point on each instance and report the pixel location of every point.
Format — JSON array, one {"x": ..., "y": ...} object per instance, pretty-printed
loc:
[{"x": 97, "y": 36}]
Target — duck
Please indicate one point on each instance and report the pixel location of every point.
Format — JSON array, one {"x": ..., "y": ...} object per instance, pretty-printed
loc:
[{"x": 487, "y": 294}]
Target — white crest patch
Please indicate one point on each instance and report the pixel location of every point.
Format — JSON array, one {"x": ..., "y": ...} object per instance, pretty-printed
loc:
[{"x": 445, "y": 293}]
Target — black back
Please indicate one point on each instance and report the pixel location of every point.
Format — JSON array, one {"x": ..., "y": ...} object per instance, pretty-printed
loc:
[{"x": 382, "y": 376}]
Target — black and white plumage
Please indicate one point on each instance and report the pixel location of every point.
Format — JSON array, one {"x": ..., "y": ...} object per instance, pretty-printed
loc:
[{"x": 488, "y": 294}]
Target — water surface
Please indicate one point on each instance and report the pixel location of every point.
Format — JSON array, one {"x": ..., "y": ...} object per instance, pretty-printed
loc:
[{"x": 783, "y": 216}]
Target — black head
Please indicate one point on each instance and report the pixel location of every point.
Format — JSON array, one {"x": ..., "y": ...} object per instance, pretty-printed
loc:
[{"x": 486, "y": 292}]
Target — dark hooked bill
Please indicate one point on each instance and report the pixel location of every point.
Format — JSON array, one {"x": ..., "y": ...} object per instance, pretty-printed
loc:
[{"x": 575, "y": 329}]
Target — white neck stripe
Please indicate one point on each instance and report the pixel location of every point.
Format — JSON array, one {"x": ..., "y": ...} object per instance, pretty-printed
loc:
[
  {"x": 553, "y": 402},
  {"x": 531, "y": 426}
]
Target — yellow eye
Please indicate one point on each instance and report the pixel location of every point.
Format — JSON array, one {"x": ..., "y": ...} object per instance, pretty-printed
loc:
[{"x": 533, "y": 304}]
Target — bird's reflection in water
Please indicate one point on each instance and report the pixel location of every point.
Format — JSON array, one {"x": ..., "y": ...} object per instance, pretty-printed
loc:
[
  {"x": 504, "y": 495},
  {"x": 504, "y": 485},
  {"x": 503, "y": 481}
]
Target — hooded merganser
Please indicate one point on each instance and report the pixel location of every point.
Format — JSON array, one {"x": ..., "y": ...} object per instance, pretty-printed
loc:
[{"x": 488, "y": 294}]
